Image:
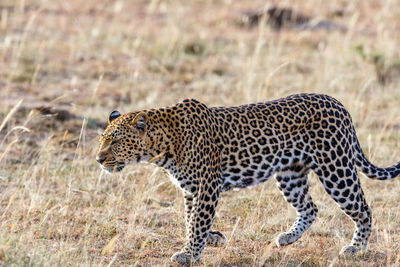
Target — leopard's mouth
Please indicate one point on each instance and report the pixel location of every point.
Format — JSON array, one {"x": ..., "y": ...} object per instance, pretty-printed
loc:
[{"x": 119, "y": 166}]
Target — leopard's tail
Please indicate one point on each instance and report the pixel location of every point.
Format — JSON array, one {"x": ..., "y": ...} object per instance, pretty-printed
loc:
[{"x": 370, "y": 170}]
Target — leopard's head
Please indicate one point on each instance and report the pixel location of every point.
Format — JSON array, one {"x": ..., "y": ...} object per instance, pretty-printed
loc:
[{"x": 126, "y": 139}]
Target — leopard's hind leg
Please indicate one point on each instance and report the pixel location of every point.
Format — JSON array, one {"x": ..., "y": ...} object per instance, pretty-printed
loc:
[
  {"x": 343, "y": 186},
  {"x": 293, "y": 184}
]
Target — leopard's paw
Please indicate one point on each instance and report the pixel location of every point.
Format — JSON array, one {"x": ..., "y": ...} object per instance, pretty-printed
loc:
[
  {"x": 349, "y": 250},
  {"x": 182, "y": 258},
  {"x": 285, "y": 239},
  {"x": 216, "y": 238}
]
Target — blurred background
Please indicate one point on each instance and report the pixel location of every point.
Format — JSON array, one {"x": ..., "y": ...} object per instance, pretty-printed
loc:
[{"x": 64, "y": 65}]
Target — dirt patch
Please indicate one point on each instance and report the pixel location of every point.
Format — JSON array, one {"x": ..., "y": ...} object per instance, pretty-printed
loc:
[{"x": 280, "y": 18}]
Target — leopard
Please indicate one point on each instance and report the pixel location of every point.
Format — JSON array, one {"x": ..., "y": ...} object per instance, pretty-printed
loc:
[{"x": 209, "y": 150}]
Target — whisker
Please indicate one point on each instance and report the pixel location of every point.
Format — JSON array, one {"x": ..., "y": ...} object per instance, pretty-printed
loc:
[{"x": 157, "y": 157}]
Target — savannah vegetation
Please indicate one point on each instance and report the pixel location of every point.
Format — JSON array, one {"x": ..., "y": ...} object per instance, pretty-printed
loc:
[{"x": 65, "y": 65}]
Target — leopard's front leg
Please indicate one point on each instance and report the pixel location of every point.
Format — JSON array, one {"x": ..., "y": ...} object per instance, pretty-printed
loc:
[
  {"x": 188, "y": 202},
  {"x": 199, "y": 222},
  {"x": 215, "y": 238}
]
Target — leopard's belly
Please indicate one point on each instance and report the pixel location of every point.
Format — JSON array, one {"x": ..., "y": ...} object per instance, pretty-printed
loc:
[{"x": 248, "y": 172}]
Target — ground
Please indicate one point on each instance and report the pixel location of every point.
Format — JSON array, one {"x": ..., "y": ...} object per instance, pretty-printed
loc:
[{"x": 64, "y": 65}]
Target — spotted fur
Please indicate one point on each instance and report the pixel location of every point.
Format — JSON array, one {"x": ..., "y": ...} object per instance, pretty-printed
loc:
[{"x": 209, "y": 150}]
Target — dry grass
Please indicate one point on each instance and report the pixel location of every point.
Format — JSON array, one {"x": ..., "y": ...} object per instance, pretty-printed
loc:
[{"x": 85, "y": 58}]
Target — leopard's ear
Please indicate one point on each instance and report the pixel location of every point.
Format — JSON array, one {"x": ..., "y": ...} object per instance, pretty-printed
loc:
[
  {"x": 140, "y": 121},
  {"x": 113, "y": 115}
]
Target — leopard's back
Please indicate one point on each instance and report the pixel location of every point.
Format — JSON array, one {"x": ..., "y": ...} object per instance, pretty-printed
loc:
[{"x": 258, "y": 140}]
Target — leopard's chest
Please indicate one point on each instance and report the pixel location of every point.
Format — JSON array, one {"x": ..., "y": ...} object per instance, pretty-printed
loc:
[{"x": 182, "y": 181}]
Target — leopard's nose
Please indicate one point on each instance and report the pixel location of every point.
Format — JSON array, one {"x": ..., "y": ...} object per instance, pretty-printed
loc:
[{"x": 100, "y": 159}]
